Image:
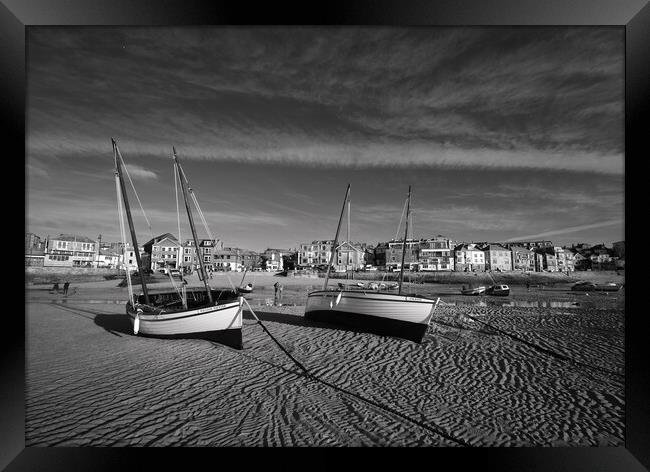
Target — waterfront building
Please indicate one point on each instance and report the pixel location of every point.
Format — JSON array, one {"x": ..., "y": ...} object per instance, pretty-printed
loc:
[
  {"x": 273, "y": 259},
  {"x": 394, "y": 254},
  {"x": 69, "y": 250},
  {"x": 469, "y": 257},
  {"x": 163, "y": 252},
  {"x": 522, "y": 258},
  {"x": 316, "y": 253},
  {"x": 564, "y": 259},
  {"x": 236, "y": 259},
  {"x": 380, "y": 255},
  {"x": 497, "y": 257},
  {"x": 349, "y": 256},
  {"x": 190, "y": 262},
  {"x": 436, "y": 254},
  {"x": 545, "y": 259}
]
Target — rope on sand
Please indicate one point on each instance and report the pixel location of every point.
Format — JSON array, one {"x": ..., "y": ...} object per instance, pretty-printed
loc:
[{"x": 310, "y": 376}]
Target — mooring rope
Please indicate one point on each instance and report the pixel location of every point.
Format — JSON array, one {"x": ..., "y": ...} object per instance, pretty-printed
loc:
[{"x": 434, "y": 429}]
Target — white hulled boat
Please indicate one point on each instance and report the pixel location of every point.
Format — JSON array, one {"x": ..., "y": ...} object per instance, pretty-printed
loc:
[
  {"x": 398, "y": 315},
  {"x": 182, "y": 313}
]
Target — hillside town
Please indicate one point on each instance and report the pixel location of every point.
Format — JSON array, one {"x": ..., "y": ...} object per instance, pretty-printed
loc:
[{"x": 166, "y": 252}]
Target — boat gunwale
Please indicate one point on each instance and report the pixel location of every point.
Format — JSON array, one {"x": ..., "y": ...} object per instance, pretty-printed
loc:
[
  {"x": 132, "y": 312},
  {"x": 422, "y": 299}
]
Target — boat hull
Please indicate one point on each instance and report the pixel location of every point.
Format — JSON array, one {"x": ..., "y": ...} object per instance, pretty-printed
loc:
[
  {"x": 386, "y": 314},
  {"x": 474, "y": 291},
  {"x": 221, "y": 323}
]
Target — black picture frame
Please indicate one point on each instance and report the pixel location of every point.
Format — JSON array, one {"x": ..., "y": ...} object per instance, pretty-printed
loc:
[{"x": 633, "y": 15}]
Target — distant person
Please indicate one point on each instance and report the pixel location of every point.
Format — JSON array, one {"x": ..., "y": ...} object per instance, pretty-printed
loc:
[
  {"x": 55, "y": 287},
  {"x": 65, "y": 288},
  {"x": 278, "y": 293},
  {"x": 528, "y": 285}
]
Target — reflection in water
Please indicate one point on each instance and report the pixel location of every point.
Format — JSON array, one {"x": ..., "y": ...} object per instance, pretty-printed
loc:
[{"x": 519, "y": 303}]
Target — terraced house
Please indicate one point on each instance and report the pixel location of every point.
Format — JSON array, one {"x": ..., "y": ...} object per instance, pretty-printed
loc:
[
  {"x": 436, "y": 254},
  {"x": 237, "y": 259},
  {"x": 190, "y": 260},
  {"x": 272, "y": 259},
  {"x": 315, "y": 253},
  {"x": 394, "y": 254},
  {"x": 545, "y": 259},
  {"x": 497, "y": 257},
  {"x": 69, "y": 250},
  {"x": 349, "y": 256},
  {"x": 469, "y": 257},
  {"x": 522, "y": 258},
  {"x": 564, "y": 259},
  {"x": 163, "y": 251}
]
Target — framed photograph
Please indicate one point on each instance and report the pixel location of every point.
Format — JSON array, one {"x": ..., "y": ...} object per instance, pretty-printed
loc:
[{"x": 187, "y": 164}]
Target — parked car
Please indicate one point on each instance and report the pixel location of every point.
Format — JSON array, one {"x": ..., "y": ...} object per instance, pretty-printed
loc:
[{"x": 584, "y": 286}]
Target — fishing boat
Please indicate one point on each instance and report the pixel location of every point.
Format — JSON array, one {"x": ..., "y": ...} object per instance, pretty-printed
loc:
[
  {"x": 398, "y": 315},
  {"x": 203, "y": 313},
  {"x": 499, "y": 290},
  {"x": 473, "y": 290}
]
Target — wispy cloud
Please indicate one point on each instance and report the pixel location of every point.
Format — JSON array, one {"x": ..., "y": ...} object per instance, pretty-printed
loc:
[
  {"x": 469, "y": 97},
  {"x": 137, "y": 172},
  {"x": 572, "y": 229}
]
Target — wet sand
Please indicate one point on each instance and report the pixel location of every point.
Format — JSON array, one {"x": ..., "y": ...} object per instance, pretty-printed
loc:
[{"x": 484, "y": 376}]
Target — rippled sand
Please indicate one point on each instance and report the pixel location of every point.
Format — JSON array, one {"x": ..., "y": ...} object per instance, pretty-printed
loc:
[{"x": 485, "y": 376}]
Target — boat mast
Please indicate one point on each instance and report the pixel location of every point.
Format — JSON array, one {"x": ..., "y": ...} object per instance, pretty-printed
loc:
[
  {"x": 401, "y": 272},
  {"x": 118, "y": 169},
  {"x": 336, "y": 238},
  {"x": 182, "y": 178}
]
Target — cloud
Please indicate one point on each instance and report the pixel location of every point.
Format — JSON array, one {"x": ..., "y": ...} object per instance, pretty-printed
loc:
[
  {"x": 379, "y": 97},
  {"x": 568, "y": 230},
  {"x": 137, "y": 172}
]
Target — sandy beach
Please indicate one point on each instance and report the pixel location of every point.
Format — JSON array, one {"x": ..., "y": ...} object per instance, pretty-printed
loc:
[{"x": 546, "y": 369}]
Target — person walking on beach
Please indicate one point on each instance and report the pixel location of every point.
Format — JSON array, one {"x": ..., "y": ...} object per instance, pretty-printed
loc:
[
  {"x": 278, "y": 293},
  {"x": 528, "y": 285},
  {"x": 65, "y": 288}
]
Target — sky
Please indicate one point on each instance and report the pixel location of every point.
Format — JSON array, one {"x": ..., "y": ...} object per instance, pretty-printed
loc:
[{"x": 503, "y": 133}]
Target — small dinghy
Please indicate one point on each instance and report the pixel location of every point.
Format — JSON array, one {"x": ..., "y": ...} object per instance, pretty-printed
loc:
[{"x": 248, "y": 288}]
